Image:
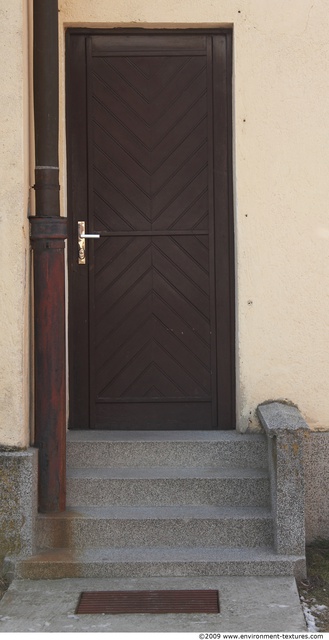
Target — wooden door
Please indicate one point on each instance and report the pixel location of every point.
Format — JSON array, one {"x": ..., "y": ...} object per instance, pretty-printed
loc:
[{"x": 151, "y": 327}]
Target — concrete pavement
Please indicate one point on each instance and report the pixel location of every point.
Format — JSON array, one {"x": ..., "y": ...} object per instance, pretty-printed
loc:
[{"x": 253, "y": 604}]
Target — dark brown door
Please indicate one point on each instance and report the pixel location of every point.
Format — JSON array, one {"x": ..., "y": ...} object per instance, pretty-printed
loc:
[{"x": 151, "y": 312}]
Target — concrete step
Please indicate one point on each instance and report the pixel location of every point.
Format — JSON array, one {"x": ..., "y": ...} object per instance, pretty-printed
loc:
[
  {"x": 161, "y": 504},
  {"x": 144, "y": 562},
  {"x": 167, "y": 486},
  {"x": 156, "y": 526},
  {"x": 166, "y": 448}
]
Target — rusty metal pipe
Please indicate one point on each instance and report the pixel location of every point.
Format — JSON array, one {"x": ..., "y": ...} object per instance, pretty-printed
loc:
[{"x": 48, "y": 232}]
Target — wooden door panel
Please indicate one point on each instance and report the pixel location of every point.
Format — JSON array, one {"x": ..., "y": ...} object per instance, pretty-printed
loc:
[
  {"x": 151, "y": 332},
  {"x": 181, "y": 281},
  {"x": 123, "y": 156},
  {"x": 120, "y": 184},
  {"x": 181, "y": 306},
  {"x": 115, "y": 132},
  {"x": 176, "y": 132},
  {"x": 114, "y": 303},
  {"x": 166, "y": 169},
  {"x": 187, "y": 335},
  {"x": 114, "y": 199},
  {"x": 184, "y": 185}
]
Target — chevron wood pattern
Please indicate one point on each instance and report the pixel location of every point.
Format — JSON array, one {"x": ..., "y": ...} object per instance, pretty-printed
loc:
[
  {"x": 149, "y": 143},
  {"x": 150, "y": 188}
]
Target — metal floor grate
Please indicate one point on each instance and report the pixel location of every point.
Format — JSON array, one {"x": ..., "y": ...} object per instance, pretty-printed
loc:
[{"x": 175, "y": 601}]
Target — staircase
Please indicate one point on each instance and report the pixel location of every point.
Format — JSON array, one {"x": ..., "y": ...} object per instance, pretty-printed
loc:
[{"x": 160, "y": 504}]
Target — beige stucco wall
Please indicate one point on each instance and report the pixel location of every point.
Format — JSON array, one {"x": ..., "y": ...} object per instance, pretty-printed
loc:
[
  {"x": 14, "y": 258},
  {"x": 281, "y": 159}
]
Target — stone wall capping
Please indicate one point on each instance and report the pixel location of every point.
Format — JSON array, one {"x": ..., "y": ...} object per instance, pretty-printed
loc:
[
  {"x": 286, "y": 430},
  {"x": 278, "y": 417}
]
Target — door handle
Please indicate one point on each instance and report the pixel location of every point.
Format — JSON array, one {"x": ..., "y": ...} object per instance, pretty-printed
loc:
[{"x": 82, "y": 236}]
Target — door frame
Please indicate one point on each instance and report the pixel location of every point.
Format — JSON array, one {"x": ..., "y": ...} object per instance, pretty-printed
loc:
[{"x": 225, "y": 229}]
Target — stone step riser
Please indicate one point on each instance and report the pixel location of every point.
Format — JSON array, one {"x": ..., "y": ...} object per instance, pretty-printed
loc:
[
  {"x": 197, "y": 491},
  {"x": 154, "y": 454},
  {"x": 56, "y": 570},
  {"x": 83, "y": 533},
  {"x": 162, "y": 470}
]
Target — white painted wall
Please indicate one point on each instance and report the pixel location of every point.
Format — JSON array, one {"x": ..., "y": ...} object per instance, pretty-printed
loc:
[
  {"x": 281, "y": 149},
  {"x": 14, "y": 231}
]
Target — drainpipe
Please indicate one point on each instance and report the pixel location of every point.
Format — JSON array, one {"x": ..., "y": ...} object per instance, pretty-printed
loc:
[{"x": 48, "y": 233}]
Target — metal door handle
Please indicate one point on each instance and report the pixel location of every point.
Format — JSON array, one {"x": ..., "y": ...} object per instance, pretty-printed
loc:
[
  {"x": 82, "y": 236},
  {"x": 90, "y": 235}
]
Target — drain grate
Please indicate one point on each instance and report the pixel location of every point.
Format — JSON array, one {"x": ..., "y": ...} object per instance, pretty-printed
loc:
[{"x": 195, "y": 601}]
